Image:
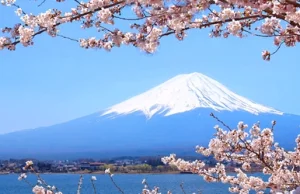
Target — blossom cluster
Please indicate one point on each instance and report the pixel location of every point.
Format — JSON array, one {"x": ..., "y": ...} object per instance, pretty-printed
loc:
[
  {"x": 41, "y": 190},
  {"x": 148, "y": 190},
  {"x": 41, "y": 187},
  {"x": 8, "y": 2},
  {"x": 247, "y": 148},
  {"x": 154, "y": 19}
]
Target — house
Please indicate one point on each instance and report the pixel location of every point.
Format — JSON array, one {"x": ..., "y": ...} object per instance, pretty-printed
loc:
[
  {"x": 96, "y": 165},
  {"x": 123, "y": 162},
  {"x": 84, "y": 166},
  {"x": 137, "y": 162},
  {"x": 91, "y": 165}
]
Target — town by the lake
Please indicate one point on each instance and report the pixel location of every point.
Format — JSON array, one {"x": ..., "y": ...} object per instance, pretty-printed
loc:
[{"x": 132, "y": 165}]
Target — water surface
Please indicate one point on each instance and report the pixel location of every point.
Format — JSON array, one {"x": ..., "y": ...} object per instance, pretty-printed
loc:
[{"x": 130, "y": 183}]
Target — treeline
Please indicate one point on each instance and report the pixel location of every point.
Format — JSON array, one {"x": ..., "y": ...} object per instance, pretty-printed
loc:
[{"x": 140, "y": 168}]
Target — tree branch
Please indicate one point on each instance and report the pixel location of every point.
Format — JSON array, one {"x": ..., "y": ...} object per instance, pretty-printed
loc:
[
  {"x": 217, "y": 22},
  {"x": 273, "y": 54},
  {"x": 182, "y": 188},
  {"x": 42, "y": 3},
  {"x": 62, "y": 36}
]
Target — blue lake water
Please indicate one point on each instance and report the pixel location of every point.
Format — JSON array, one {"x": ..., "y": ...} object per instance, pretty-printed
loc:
[{"x": 130, "y": 183}]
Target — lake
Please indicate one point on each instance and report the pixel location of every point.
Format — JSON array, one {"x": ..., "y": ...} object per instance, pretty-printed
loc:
[{"x": 130, "y": 183}]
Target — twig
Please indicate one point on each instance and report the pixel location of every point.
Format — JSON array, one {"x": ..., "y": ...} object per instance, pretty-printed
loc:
[
  {"x": 247, "y": 145},
  {"x": 80, "y": 3},
  {"x": 38, "y": 176},
  {"x": 94, "y": 187},
  {"x": 212, "y": 115},
  {"x": 112, "y": 180},
  {"x": 62, "y": 36},
  {"x": 216, "y": 22},
  {"x": 28, "y": 183},
  {"x": 147, "y": 185},
  {"x": 42, "y": 3},
  {"x": 277, "y": 49},
  {"x": 106, "y": 29},
  {"x": 133, "y": 19},
  {"x": 17, "y": 6},
  {"x": 213, "y": 12},
  {"x": 260, "y": 35},
  {"x": 273, "y": 125},
  {"x": 181, "y": 186},
  {"x": 79, "y": 184}
]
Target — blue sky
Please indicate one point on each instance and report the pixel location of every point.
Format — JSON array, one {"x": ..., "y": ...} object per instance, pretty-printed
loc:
[{"x": 56, "y": 80}]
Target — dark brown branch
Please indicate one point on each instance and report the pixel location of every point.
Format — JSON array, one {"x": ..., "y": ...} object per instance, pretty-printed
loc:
[
  {"x": 93, "y": 11},
  {"x": 115, "y": 184},
  {"x": 273, "y": 54},
  {"x": 259, "y": 35},
  {"x": 217, "y": 22},
  {"x": 106, "y": 29},
  {"x": 182, "y": 188},
  {"x": 42, "y": 3},
  {"x": 280, "y": 16},
  {"x": 62, "y": 36},
  {"x": 213, "y": 12},
  {"x": 80, "y": 3},
  {"x": 293, "y": 3},
  {"x": 212, "y": 115},
  {"x": 76, "y": 17},
  {"x": 132, "y": 19},
  {"x": 17, "y": 6},
  {"x": 28, "y": 183},
  {"x": 73, "y": 18},
  {"x": 247, "y": 145}
]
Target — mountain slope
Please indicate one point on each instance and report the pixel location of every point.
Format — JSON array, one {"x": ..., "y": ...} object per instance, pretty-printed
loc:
[
  {"x": 187, "y": 92},
  {"x": 172, "y": 117}
]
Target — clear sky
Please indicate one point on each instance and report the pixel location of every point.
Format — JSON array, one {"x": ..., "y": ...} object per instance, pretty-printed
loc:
[{"x": 56, "y": 80}]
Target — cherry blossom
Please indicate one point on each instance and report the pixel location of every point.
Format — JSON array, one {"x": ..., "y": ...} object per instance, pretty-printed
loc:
[
  {"x": 247, "y": 148},
  {"x": 151, "y": 20}
]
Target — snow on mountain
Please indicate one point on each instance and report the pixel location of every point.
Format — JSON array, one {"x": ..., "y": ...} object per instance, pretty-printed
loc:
[
  {"x": 182, "y": 108},
  {"x": 187, "y": 92}
]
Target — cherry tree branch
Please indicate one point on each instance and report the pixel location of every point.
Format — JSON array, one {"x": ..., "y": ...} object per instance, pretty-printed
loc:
[
  {"x": 182, "y": 188},
  {"x": 66, "y": 37},
  {"x": 216, "y": 22},
  {"x": 115, "y": 184},
  {"x": 42, "y": 3}
]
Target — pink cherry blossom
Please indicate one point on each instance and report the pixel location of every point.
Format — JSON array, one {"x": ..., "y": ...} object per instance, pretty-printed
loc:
[
  {"x": 254, "y": 147},
  {"x": 151, "y": 20}
]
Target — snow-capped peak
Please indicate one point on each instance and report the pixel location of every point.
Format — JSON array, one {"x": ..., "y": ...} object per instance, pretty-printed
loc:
[{"x": 184, "y": 93}]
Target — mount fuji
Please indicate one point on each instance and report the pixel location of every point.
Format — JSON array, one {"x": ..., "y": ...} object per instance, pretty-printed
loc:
[{"x": 172, "y": 117}]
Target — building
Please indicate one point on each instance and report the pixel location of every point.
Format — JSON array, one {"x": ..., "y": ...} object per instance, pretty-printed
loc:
[{"x": 91, "y": 165}]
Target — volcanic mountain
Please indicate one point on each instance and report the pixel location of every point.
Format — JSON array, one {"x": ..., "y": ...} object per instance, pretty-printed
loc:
[
  {"x": 185, "y": 93},
  {"x": 172, "y": 117}
]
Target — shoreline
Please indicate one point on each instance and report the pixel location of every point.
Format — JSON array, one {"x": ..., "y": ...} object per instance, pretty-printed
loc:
[
  {"x": 102, "y": 173},
  {"x": 175, "y": 172}
]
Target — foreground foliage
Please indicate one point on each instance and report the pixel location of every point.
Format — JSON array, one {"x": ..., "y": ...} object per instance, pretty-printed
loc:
[
  {"x": 253, "y": 147},
  {"x": 150, "y": 20}
]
